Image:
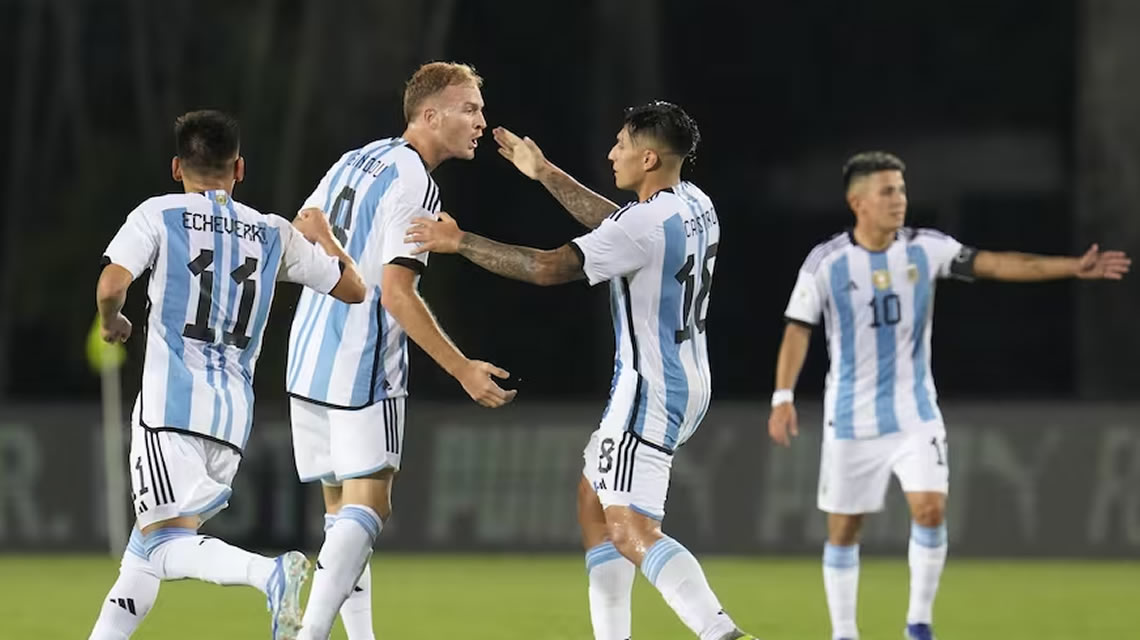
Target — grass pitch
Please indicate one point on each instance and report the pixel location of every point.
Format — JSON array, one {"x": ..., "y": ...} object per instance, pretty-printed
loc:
[{"x": 504, "y": 597}]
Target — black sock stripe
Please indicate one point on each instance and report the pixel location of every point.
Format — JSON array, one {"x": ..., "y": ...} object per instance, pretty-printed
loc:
[{"x": 131, "y": 606}]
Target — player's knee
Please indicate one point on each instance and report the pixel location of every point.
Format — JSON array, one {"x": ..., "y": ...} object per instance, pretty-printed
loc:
[
  {"x": 843, "y": 530},
  {"x": 383, "y": 508},
  {"x": 623, "y": 537},
  {"x": 929, "y": 513}
]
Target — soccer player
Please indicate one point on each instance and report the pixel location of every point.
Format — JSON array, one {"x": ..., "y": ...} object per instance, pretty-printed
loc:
[
  {"x": 215, "y": 264},
  {"x": 657, "y": 254},
  {"x": 348, "y": 365},
  {"x": 874, "y": 287}
]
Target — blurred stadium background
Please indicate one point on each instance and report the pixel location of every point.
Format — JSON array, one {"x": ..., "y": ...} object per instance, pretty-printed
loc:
[{"x": 1017, "y": 120}]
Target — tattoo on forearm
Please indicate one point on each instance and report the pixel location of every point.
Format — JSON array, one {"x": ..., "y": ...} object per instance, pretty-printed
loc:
[
  {"x": 520, "y": 263},
  {"x": 586, "y": 206}
]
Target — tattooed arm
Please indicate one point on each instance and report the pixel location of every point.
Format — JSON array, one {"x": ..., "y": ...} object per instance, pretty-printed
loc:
[
  {"x": 587, "y": 207},
  {"x": 536, "y": 266}
]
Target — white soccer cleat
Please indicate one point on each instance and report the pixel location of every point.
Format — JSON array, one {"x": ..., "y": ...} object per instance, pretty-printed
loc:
[{"x": 289, "y": 574}]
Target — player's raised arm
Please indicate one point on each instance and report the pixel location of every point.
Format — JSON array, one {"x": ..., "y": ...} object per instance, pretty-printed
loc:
[
  {"x": 536, "y": 266},
  {"x": 400, "y": 298},
  {"x": 1024, "y": 267},
  {"x": 587, "y": 207}
]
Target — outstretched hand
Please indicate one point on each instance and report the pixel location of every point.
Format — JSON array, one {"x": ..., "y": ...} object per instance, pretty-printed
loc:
[
  {"x": 436, "y": 236},
  {"x": 522, "y": 152},
  {"x": 1106, "y": 265}
]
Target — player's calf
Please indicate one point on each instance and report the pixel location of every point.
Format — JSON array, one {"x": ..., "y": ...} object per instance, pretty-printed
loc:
[{"x": 131, "y": 597}]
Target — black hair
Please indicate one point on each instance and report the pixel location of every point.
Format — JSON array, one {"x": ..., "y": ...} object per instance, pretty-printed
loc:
[
  {"x": 207, "y": 141},
  {"x": 868, "y": 162},
  {"x": 668, "y": 124}
]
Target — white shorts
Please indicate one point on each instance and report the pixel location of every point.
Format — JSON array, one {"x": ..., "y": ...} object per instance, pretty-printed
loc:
[
  {"x": 854, "y": 474},
  {"x": 626, "y": 472},
  {"x": 331, "y": 445},
  {"x": 176, "y": 474}
]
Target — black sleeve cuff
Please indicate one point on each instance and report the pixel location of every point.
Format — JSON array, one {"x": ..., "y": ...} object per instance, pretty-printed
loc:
[
  {"x": 578, "y": 252},
  {"x": 409, "y": 263},
  {"x": 795, "y": 321}
]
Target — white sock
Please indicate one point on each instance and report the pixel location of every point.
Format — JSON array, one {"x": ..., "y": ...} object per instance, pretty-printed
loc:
[
  {"x": 610, "y": 577},
  {"x": 678, "y": 576},
  {"x": 356, "y": 612},
  {"x": 177, "y": 554},
  {"x": 347, "y": 547},
  {"x": 927, "y": 558},
  {"x": 841, "y": 582},
  {"x": 131, "y": 597}
]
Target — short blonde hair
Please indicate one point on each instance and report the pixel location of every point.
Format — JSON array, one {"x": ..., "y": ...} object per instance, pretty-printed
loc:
[{"x": 432, "y": 78}]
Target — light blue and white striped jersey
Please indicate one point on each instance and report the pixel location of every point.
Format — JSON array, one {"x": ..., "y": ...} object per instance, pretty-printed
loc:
[
  {"x": 877, "y": 308},
  {"x": 352, "y": 356},
  {"x": 658, "y": 257},
  {"x": 214, "y": 268}
]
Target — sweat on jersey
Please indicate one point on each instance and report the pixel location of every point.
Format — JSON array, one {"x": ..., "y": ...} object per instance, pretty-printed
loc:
[
  {"x": 352, "y": 356},
  {"x": 877, "y": 308},
  {"x": 214, "y": 267},
  {"x": 658, "y": 257}
]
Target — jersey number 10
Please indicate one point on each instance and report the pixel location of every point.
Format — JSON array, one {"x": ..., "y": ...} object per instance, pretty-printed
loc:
[
  {"x": 686, "y": 278},
  {"x": 201, "y": 330}
]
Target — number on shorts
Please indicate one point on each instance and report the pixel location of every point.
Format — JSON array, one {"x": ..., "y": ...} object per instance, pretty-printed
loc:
[
  {"x": 606, "y": 459},
  {"x": 940, "y": 451},
  {"x": 142, "y": 484}
]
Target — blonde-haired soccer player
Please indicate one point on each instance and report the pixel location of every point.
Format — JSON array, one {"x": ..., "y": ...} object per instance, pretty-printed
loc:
[{"x": 348, "y": 366}]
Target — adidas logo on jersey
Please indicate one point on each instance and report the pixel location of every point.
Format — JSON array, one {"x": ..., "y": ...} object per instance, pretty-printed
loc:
[{"x": 851, "y": 286}]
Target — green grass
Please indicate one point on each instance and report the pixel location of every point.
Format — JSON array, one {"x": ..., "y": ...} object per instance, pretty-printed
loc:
[{"x": 543, "y": 596}]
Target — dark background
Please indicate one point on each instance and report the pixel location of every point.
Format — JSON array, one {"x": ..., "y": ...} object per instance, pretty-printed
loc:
[{"x": 1013, "y": 118}]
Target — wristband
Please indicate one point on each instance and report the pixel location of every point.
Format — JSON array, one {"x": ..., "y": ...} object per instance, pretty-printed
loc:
[{"x": 782, "y": 396}]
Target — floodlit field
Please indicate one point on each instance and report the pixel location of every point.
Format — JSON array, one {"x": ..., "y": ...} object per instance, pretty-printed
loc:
[{"x": 503, "y": 597}]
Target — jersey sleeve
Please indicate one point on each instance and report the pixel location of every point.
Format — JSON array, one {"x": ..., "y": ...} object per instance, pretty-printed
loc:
[
  {"x": 135, "y": 246},
  {"x": 304, "y": 262},
  {"x": 949, "y": 258},
  {"x": 806, "y": 303},
  {"x": 617, "y": 247},
  {"x": 407, "y": 205}
]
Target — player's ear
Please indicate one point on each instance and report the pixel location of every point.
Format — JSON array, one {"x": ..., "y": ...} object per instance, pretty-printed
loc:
[
  {"x": 239, "y": 169},
  {"x": 650, "y": 160},
  {"x": 853, "y": 199},
  {"x": 431, "y": 117},
  {"x": 176, "y": 169}
]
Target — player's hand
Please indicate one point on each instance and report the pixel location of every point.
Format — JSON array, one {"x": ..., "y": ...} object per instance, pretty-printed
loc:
[
  {"x": 476, "y": 380},
  {"x": 783, "y": 424},
  {"x": 437, "y": 236},
  {"x": 116, "y": 329},
  {"x": 1107, "y": 265},
  {"x": 522, "y": 152},
  {"x": 313, "y": 224}
]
